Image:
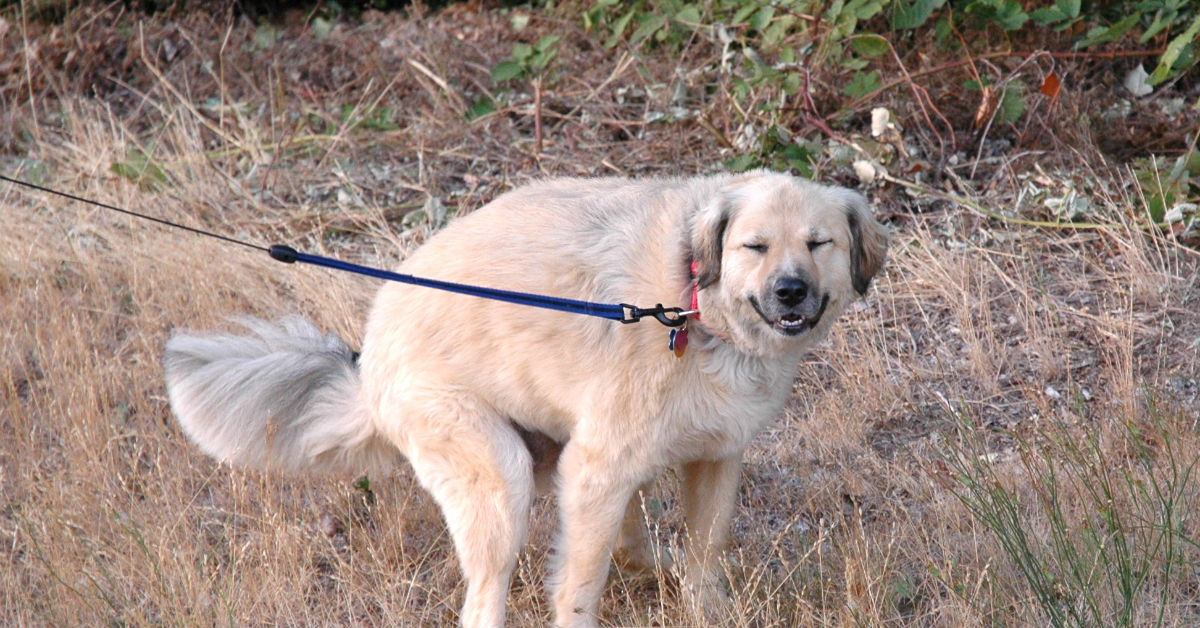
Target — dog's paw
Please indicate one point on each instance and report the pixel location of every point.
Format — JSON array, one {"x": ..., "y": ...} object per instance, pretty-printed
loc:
[
  {"x": 643, "y": 558},
  {"x": 706, "y": 601}
]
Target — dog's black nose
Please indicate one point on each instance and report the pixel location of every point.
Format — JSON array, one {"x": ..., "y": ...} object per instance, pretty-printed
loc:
[{"x": 791, "y": 291}]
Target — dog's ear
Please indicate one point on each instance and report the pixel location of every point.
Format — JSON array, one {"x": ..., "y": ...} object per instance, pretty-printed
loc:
[
  {"x": 708, "y": 236},
  {"x": 868, "y": 242}
]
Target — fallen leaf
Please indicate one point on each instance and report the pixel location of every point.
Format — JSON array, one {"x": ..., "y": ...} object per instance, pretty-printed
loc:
[{"x": 1051, "y": 86}]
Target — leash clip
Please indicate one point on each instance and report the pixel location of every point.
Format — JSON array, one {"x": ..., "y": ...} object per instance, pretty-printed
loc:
[{"x": 669, "y": 316}]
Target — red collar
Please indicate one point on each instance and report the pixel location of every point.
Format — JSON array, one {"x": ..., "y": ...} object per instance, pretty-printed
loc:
[
  {"x": 679, "y": 336},
  {"x": 695, "y": 303}
]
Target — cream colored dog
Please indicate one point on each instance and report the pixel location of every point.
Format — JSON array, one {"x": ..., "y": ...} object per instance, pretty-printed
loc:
[{"x": 480, "y": 395}]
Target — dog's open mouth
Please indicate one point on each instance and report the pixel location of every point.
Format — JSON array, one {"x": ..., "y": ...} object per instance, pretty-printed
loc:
[{"x": 791, "y": 323}]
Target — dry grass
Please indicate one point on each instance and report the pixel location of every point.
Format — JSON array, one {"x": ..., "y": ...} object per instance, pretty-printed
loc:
[{"x": 979, "y": 351}]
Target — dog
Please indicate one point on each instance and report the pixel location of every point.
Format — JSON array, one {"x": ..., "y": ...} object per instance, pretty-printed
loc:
[{"x": 487, "y": 399}]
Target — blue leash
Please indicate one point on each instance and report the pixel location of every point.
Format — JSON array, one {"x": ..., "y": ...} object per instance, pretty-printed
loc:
[{"x": 623, "y": 312}]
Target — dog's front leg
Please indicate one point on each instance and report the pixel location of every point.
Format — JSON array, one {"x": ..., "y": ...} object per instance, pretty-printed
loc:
[
  {"x": 709, "y": 496},
  {"x": 594, "y": 488}
]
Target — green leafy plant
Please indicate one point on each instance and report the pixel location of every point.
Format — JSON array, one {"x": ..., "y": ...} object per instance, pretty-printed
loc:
[
  {"x": 909, "y": 14},
  {"x": 1006, "y": 14},
  {"x": 778, "y": 37},
  {"x": 771, "y": 51},
  {"x": 1060, "y": 15},
  {"x": 769, "y": 48},
  {"x": 777, "y": 150},
  {"x": 1156, "y": 19},
  {"x": 1179, "y": 55},
  {"x": 527, "y": 60},
  {"x": 665, "y": 22}
]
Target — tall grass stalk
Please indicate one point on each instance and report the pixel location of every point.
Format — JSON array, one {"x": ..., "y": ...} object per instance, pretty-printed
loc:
[{"x": 1094, "y": 527}]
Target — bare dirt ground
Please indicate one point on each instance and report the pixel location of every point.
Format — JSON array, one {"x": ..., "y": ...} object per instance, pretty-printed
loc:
[{"x": 1004, "y": 432}]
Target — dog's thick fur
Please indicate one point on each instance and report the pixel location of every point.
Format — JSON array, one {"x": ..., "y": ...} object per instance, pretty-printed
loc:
[{"x": 479, "y": 395}]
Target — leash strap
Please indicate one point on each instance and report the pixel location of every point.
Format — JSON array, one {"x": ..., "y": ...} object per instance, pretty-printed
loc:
[{"x": 624, "y": 312}]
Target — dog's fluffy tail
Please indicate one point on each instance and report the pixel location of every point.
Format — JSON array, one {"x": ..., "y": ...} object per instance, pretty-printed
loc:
[{"x": 284, "y": 398}]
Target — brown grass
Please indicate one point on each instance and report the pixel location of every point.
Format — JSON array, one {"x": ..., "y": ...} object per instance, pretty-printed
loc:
[{"x": 978, "y": 343}]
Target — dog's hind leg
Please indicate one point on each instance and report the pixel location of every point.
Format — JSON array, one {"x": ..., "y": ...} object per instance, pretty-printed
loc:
[{"x": 479, "y": 471}]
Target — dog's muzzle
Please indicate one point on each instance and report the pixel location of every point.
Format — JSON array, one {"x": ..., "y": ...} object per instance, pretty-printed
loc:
[{"x": 795, "y": 306}]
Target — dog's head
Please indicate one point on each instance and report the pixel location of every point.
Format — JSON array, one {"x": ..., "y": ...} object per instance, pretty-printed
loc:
[{"x": 778, "y": 258}]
